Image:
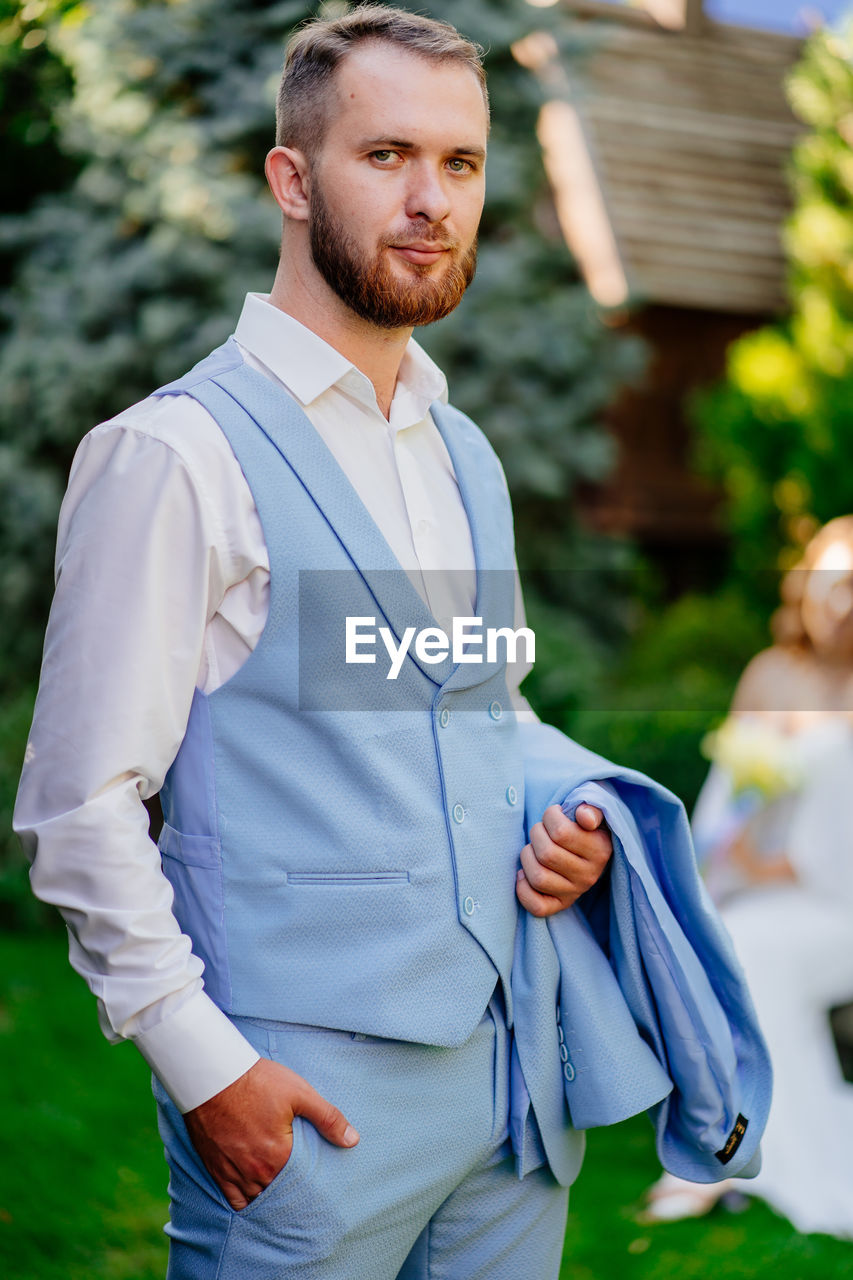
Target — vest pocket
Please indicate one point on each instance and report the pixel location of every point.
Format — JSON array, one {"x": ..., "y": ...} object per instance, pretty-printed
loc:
[
  {"x": 193, "y": 866},
  {"x": 347, "y": 877}
]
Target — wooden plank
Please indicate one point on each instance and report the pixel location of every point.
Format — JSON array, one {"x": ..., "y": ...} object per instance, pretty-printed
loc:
[
  {"x": 659, "y": 81},
  {"x": 703, "y": 92},
  {"x": 692, "y": 192},
  {"x": 694, "y": 178},
  {"x": 669, "y": 153},
  {"x": 710, "y": 54},
  {"x": 723, "y": 234},
  {"x": 708, "y": 294},
  {"x": 688, "y": 122},
  {"x": 719, "y": 38},
  {"x": 694, "y": 17},
  {"x": 688, "y": 264},
  {"x": 636, "y": 64},
  {"x": 760, "y": 168},
  {"x": 698, "y": 256},
  {"x": 685, "y": 264},
  {"x": 664, "y": 134},
  {"x": 611, "y": 13}
]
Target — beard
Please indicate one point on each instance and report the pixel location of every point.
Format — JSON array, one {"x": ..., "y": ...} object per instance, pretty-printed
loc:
[{"x": 370, "y": 288}]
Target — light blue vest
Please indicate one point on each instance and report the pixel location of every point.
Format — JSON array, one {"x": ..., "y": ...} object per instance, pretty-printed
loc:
[{"x": 343, "y": 847}]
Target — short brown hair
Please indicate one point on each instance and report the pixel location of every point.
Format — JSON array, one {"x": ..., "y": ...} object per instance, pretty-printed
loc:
[{"x": 314, "y": 51}]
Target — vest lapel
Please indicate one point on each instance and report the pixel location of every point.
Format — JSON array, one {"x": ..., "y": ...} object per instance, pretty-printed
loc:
[
  {"x": 485, "y": 501},
  {"x": 291, "y": 432}
]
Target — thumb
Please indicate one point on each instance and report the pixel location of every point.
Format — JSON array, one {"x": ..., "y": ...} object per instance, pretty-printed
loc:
[
  {"x": 588, "y": 817},
  {"x": 326, "y": 1119}
]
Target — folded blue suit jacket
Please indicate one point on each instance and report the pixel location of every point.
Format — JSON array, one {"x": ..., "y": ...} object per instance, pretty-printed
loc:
[{"x": 633, "y": 1000}]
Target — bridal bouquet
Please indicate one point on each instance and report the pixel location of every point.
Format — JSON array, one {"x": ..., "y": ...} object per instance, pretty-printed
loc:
[
  {"x": 759, "y": 768},
  {"x": 759, "y": 760}
]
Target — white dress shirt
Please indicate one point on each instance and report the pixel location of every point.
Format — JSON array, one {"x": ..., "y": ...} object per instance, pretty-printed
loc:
[{"x": 162, "y": 584}]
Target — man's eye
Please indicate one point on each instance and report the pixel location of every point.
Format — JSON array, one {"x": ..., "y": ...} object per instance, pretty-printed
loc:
[
  {"x": 457, "y": 165},
  {"x": 382, "y": 156}
]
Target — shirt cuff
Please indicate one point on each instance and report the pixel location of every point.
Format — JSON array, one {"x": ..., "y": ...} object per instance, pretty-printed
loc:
[{"x": 196, "y": 1052}]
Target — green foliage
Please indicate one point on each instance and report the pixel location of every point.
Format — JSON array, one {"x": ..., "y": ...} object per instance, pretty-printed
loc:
[
  {"x": 18, "y": 907},
  {"x": 32, "y": 79},
  {"x": 677, "y": 681},
  {"x": 779, "y": 431},
  {"x": 649, "y": 705}
]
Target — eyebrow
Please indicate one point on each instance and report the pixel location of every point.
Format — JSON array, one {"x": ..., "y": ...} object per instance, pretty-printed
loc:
[{"x": 395, "y": 144}]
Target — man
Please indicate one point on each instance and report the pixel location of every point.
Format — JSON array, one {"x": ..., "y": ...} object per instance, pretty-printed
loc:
[{"x": 345, "y": 876}]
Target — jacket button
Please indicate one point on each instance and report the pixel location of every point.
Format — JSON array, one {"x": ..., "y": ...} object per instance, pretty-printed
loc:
[
  {"x": 496, "y": 710},
  {"x": 468, "y": 906},
  {"x": 444, "y": 718},
  {"x": 458, "y": 813},
  {"x": 511, "y": 795},
  {"x": 568, "y": 1071}
]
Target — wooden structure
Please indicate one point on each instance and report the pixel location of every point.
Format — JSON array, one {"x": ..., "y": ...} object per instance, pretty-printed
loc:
[
  {"x": 666, "y": 149},
  {"x": 666, "y": 138}
]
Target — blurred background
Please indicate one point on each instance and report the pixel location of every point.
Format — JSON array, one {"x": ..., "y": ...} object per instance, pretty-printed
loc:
[{"x": 659, "y": 343}]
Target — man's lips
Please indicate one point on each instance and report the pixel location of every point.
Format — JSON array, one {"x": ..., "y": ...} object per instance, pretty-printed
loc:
[{"x": 421, "y": 252}]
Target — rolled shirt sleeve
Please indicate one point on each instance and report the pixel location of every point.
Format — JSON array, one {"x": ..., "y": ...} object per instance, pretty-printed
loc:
[{"x": 140, "y": 569}]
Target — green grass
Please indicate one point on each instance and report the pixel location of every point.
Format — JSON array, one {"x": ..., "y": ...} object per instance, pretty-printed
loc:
[
  {"x": 604, "y": 1242},
  {"x": 82, "y": 1178}
]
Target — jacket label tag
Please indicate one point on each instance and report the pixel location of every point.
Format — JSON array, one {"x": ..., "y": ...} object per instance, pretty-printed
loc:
[{"x": 733, "y": 1141}]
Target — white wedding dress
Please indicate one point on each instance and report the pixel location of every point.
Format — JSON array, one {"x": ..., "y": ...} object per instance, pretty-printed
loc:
[{"x": 795, "y": 941}]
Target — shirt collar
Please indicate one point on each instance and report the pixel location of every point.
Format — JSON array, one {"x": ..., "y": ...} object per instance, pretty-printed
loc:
[{"x": 308, "y": 365}]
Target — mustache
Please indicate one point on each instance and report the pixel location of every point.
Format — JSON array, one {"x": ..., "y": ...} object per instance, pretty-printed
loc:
[{"x": 424, "y": 232}]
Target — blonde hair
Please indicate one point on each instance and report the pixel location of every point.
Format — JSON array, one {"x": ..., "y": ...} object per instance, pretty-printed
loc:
[
  {"x": 787, "y": 622},
  {"x": 315, "y": 50}
]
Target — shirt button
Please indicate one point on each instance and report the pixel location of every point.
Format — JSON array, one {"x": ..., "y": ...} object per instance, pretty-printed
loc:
[
  {"x": 424, "y": 526},
  {"x": 444, "y": 718},
  {"x": 568, "y": 1071},
  {"x": 458, "y": 813},
  {"x": 511, "y": 795},
  {"x": 496, "y": 710},
  {"x": 468, "y": 906}
]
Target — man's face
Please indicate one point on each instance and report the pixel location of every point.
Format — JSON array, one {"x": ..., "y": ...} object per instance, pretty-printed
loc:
[{"x": 397, "y": 187}]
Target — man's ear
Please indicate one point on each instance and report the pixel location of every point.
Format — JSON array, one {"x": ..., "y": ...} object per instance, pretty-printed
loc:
[{"x": 287, "y": 173}]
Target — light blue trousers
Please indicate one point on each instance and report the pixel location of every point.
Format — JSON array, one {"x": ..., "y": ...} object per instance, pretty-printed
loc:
[{"x": 429, "y": 1193}]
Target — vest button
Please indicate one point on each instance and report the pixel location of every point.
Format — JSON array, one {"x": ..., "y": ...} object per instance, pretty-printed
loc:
[
  {"x": 468, "y": 906},
  {"x": 458, "y": 813},
  {"x": 568, "y": 1071},
  {"x": 564, "y": 1053},
  {"x": 444, "y": 718},
  {"x": 511, "y": 795},
  {"x": 496, "y": 710}
]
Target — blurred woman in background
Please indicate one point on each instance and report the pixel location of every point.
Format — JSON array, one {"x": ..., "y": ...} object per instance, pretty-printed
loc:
[{"x": 774, "y": 825}]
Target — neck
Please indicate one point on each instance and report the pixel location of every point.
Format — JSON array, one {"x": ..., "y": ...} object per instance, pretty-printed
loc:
[{"x": 376, "y": 352}]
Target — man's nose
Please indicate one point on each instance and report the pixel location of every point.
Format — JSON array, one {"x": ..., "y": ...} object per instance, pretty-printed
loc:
[{"x": 427, "y": 196}]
